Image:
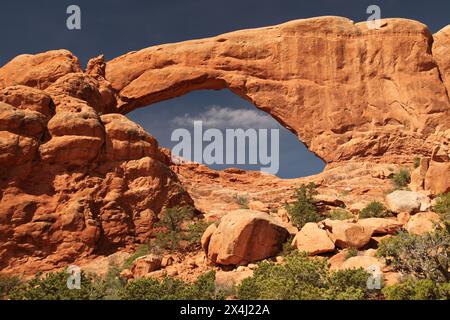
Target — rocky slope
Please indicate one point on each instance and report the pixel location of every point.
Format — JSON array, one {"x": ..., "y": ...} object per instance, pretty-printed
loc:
[{"x": 79, "y": 181}]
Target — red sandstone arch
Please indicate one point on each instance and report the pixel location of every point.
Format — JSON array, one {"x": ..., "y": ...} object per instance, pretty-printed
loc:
[{"x": 347, "y": 92}]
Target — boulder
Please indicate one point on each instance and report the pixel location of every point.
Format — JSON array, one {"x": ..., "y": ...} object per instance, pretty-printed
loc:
[
  {"x": 258, "y": 206},
  {"x": 418, "y": 175},
  {"x": 364, "y": 262},
  {"x": 347, "y": 234},
  {"x": 145, "y": 264},
  {"x": 336, "y": 261},
  {"x": 227, "y": 281},
  {"x": 422, "y": 222},
  {"x": 206, "y": 237},
  {"x": 407, "y": 201},
  {"x": 313, "y": 240},
  {"x": 244, "y": 236},
  {"x": 381, "y": 225}
]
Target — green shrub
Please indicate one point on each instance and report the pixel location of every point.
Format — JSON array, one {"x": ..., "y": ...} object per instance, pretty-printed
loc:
[
  {"x": 442, "y": 206},
  {"x": 340, "y": 214},
  {"x": 7, "y": 284},
  {"x": 303, "y": 210},
  {"x": 302, "y": 278},
  {"x": 417, "y": 290},
  {"x": 110, "y": 286},
  {"x": 242, "y": 201},
  {"x": 194, "y": 233},
  {"x": 416, "y": 162},
  {"x": 53, "y": 286},
  {"x": 423, "y": 257},
  {"x": 375, "y": 209},
  {"x": 401, "y": 179},
  {"x": 287, "y": 246},
  {"x": 172, "y": 289},
  {"x": 352, "y": 252},
  {"x": 179, "y": 232}
]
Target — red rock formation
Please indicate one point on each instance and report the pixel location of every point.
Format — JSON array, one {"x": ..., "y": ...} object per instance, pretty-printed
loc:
[
  {"x": 346, "y": 91},
  {"x": 72, "y": 182},
  {"x": 78, "y": 179}
]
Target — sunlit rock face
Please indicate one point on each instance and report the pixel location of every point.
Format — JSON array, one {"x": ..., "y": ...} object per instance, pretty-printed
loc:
[
  {"x": 78, "y": 179},
  {"x": 348, "y": 92}
]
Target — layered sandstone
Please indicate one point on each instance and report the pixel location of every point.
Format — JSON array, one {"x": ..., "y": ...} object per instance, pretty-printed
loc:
[
  {"x": 79, "y": 180},
  {"x": 346, "y": 91},
  {"x": 73, "y": 183}
]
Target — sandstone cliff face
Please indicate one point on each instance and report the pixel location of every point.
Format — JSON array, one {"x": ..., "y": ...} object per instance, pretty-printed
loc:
[
  {"x": 346, "y": 91},
  {"x": 73, "y": 182},
  {"x": 78, "y": 179}
]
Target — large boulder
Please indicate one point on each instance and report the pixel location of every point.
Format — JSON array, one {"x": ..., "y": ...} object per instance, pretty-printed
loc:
[
  {"x": 244, "y": 236},
  {"x": 347, "y": 234},
  {"x": 145, "y": 264},
  {"x": 364, "y": 262},
  {"x": 313, "y": 240},
  {"x": 437, "y": 178},
  {"x": 407, "y": 201},
  {"x": 381, "y": 225},
  {"x": 40, "y": 70},
  {"x": 422, "y": 222}
]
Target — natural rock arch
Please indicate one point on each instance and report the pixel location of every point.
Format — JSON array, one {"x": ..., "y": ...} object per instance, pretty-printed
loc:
[{"x": 346, "y": 91}]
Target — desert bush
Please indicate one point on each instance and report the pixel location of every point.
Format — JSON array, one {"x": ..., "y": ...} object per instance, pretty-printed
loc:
[
  {"x": 401, "y": 179},
  {"x": 53, "y": 286},
  {"x": 423, "y": 257},
  {"x": 302, "y": 278},
  {"x": 172, "y": 289},
  {"x": 340, "y": 214},
  {"x": 416, "y": 162},
  {"x": 179, "y": 231},
  {"x": 411, "y": 289},
  {"x": 351, "y": 252},
  {"x": 374, "y": 209},
  {"x": 7, "y": 284},
  {"x": 442, "y": 206},
  {"x": 303, "y": 210},
  {"x": 242, "y": 201},
  {"x": 111, "y": 285}
]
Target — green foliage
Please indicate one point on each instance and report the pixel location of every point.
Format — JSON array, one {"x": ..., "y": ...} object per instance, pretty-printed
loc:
[
  {"x": 302, "y": 278},
  {"x": 352, "y": 252},
  {"x": 423, "y": 257},
  {"x": 172, "y": 289},
  {"x": 287, "y": 246},
  {"x": 242, "y": 201},
  {"x": 401, "y": 179},
  {"x": 111, "y": 285},
  {"x": 303, "y": 210},
  {"x": 179, "y": 232},
  {"x": 7, "y": 284},
  {"x": 442, "y": 206},
  {"x": 340, "y": 214},
  {"x": 194, "y": 233},
  {"x": 416, "y": 162},
  {"x": 375, "y": 209},
  {"x": 53, "y": 286},
  {"x": 417, "y": 290}
]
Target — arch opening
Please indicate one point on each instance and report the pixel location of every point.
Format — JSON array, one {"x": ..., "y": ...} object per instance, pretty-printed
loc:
[{"x": 224, "y": 110}]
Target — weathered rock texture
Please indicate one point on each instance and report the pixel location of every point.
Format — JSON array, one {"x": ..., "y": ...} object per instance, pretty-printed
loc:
[
  {"x": 73, "y": 183},
  {"x": 347, "y": 92},
  {"x": 78, "y": 179}
]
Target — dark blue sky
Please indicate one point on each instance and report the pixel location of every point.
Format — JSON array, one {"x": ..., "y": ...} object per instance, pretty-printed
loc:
[{"x": 114, "y": 27}]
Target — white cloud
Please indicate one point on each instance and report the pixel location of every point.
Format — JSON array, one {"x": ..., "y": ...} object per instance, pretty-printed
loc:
[{"x": 223, "y": 117}]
